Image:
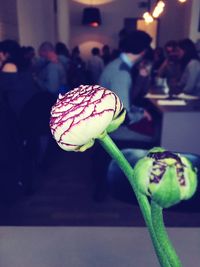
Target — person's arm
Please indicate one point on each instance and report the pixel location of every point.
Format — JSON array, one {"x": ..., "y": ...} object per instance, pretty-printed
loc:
[{"x": 137, "y": 113}]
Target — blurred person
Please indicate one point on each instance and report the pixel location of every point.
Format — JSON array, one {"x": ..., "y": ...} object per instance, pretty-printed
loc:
[
  {"x": 95, "y": 66},
  {"x": 77, "y": 69},
  {"x": 117, "y": 74},
  {"x": 189, "y": 82},
  {"x": 16, "y": 84},
  {"x": 51, "y": 79},
  {"x": 61, "y": 49},
  {"x": 106, "y": 54},
  {"x": 51, "y": 75},
  {"x": 141, "y": 78},
  {"x": 64, "y": 57},
  {"x": 17, "y": 88},
  {"x": 158, "y": 59},
  {"x": 63, "y": 53},
  {"x": 170, "y": 68},
  {"x": 28, "y": 54},
  {"x": 10, "y": 56},
  {"x": 10, "y": 156}
]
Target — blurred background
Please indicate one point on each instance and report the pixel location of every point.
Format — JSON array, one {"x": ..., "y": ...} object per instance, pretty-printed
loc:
[
  {"x": 61, "y": 20},
  {"x": 39, "y": 183}
]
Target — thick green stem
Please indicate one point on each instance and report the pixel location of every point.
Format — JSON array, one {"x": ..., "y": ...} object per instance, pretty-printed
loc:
[
  {"x": 162, "y": 236},
  {"x": 143, "y": 202}
]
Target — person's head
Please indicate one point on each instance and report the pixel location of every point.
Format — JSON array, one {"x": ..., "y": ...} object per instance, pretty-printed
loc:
[
  {"x": 10, "y": 50},
  {"x": 171, "y": 50},
  {"x": 28, "y": 52},
  {"x": 61, "y": 49},
  {"x": 76, "y": 51},
  {"x": 95, "y": 51},
  {"x": 46, "y": 49},
  {"x": 106, "y": 49},
  {"x": 135, "y": 42},
  {"x": 187, "y": 49}
]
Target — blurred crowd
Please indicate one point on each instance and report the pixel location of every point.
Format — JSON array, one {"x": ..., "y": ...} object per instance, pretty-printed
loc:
[{"x": 30, "y": 82}]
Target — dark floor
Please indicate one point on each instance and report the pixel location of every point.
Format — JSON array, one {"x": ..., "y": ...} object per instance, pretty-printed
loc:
[{"x": 64, "y": 196}]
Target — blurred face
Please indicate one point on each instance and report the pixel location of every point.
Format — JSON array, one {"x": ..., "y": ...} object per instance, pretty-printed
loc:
[
  {"x": 43, "y": 53},
  {"x": 172, "y": 53},
  {"x": 181, "y": 52}
]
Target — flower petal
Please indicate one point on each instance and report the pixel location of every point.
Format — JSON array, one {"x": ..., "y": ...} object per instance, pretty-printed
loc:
[{"x": 83, "y": 114}]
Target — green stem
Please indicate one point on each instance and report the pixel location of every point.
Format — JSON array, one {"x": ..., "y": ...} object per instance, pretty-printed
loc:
[
  {"x": 162, "y": 236},
  {"x": 117, "y": 155}
]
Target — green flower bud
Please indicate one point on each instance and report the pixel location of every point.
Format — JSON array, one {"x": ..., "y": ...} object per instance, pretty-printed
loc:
[{"x": 166, "y": 177}]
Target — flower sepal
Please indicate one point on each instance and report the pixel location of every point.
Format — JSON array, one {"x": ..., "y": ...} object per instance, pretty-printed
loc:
[
  {"x": 85, "y": 147},
  {"x": 116, "y": 122}
]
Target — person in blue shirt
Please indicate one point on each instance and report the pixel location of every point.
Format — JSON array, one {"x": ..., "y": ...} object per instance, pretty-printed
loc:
[
  {"x": 117, "y": 74},
  {"x": 50, "y": 75},
  {"x": 189, "y": 82}
]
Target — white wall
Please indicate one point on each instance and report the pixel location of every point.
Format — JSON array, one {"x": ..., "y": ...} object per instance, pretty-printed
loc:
[
  {"x": 195, "y": 18},
  {"x": 63, "y": 27},
  {"x": 174, "y": 23},
  {"x": 8, "y": 20},
  {"x": 113, "y": 14},
  {"x": 36, "y": 21}
]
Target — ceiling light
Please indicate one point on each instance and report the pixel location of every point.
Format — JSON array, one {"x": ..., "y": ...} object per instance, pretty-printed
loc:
[{"x": 91, "y": 17}]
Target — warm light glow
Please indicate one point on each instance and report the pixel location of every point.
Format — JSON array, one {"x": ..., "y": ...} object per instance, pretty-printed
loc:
[
  {"x": 182, "y": 1},
  {"x": 86, "y": 47},
  {"x": 147, "y": 17},
  {"x": 158, "y": 9},
  {"x": 150, "y": 28},
  {"x": 94, "y": 24},
  {"x": 96, "y": 2}
]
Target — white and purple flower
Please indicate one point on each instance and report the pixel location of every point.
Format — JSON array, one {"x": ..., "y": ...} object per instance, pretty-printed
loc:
[{"x": 83, "y": 114}]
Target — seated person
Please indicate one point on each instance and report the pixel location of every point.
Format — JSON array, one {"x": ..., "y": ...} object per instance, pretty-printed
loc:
[
  {"x": 141, "y": 79},
  {"x": 170, "y": 68},
  {"x": 189, "y": 82}
]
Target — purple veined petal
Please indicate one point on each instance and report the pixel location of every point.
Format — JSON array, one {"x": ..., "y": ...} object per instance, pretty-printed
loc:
[
  {"x": 82, "y": 132},
  {"x": 67, "y": 147},
  {"x": 82, "y": 115},
  {"x": 58, "y": 130}
]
